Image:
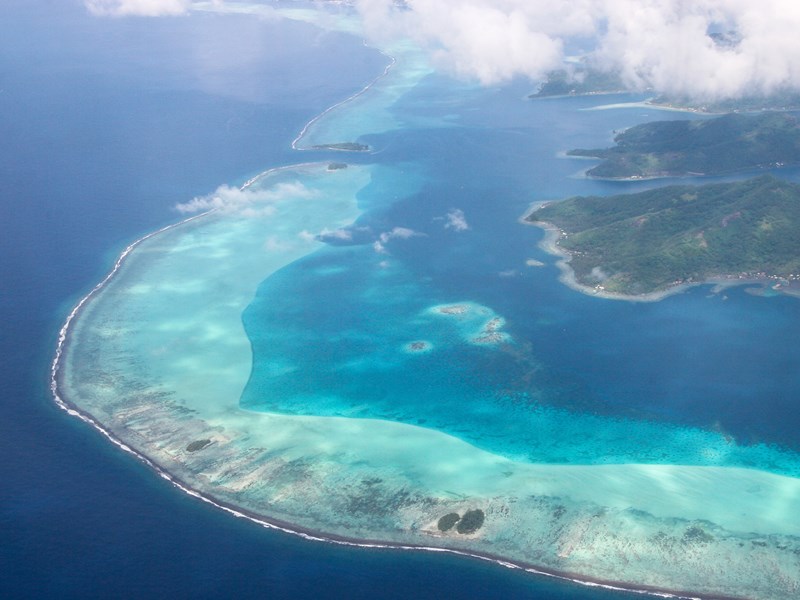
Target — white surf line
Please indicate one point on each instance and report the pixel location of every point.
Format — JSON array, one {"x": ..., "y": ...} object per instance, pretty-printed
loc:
[
  {"x": 63, "y": 334},
  {"x": 366, "y": 88}
]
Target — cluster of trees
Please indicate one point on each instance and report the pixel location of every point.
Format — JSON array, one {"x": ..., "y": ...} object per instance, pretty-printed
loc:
[
  {"x": 648, "y": 241},
  {"x": 724, "y": 144}
]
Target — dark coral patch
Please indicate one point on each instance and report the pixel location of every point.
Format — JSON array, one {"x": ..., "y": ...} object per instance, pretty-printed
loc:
[
  {"x": 471, "y": 521},
  {"x": 446, "y": 522}
]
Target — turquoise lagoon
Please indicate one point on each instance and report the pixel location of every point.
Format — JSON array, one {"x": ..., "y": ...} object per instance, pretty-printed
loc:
[{"x": 356, "y": 352}]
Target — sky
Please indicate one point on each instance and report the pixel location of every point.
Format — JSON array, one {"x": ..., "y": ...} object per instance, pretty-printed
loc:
[{"x": 660, "y": 45}]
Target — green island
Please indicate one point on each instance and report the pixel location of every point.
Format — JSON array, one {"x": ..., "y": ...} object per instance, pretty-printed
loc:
[
  {"x": 582, "y": 82},
  {"x": 469, "y": 523},
  {"x": 653, "y": 243},
  {"x": 586, "y": 81},
  {"x": 198, "y": 445},
  {"x": 715, "y": 146}
]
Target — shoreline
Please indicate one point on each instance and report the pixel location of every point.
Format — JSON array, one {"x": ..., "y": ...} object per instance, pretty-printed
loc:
[
  {"x": 567, "y": 275},
  {"x": 648, "y": 103},
  {"x": 549, "y": 244},
  {"x": 749, "y": 172}
]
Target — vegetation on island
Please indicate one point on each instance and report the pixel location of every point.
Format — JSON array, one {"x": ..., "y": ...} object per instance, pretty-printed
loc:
[
  {"x": 650, "y": 241},
  {"x": 581, "y": 82},
  {"x": 447, "y": 522},
  {"x": 197, "y": 445},
  {"x": 470, "y": 522},
  {"x": 336, "y": 166},
  {"x": 724, "y": 144}
]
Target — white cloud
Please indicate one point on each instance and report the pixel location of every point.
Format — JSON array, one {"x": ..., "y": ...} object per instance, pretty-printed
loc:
[
  {"x": 397, "y": 233},
  {"x": 666, "y": 46},
  {"x": 402, "y": 233},
  {"x": 307, "y": 236},
  {"x": 456, "y": 220},
  {"x": 246, "y": 202},
  {"x": 660, "y": 44},
  {"x": 343, "y": 235},
  {"x": 141, "y": 8}
]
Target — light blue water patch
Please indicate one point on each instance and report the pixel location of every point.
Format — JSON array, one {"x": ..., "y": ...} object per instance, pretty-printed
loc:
[
  {"x": 334, "y": 340},
  {"x": 350, "y": 355}
]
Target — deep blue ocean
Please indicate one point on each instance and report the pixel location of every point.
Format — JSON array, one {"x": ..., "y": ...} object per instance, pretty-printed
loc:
[{"x": 104, "y": 126}]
